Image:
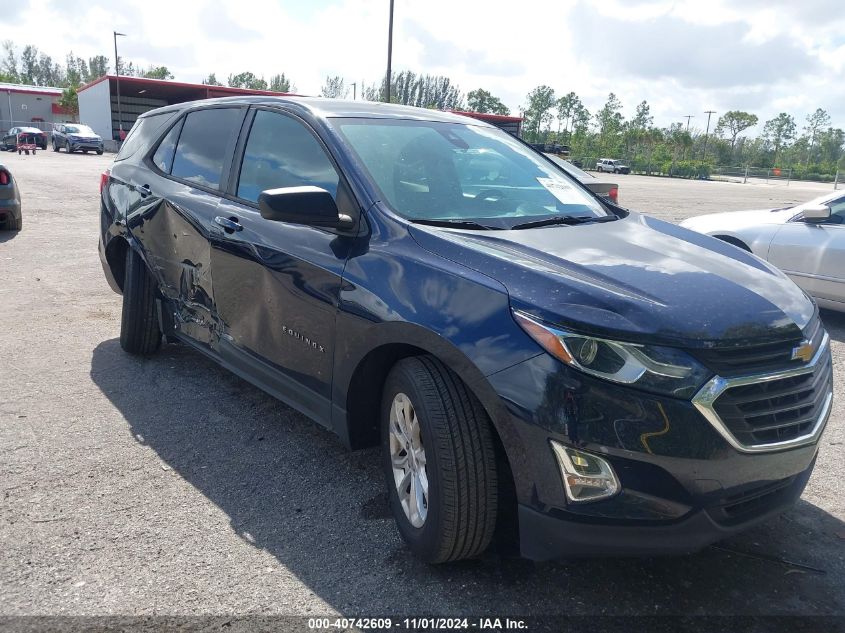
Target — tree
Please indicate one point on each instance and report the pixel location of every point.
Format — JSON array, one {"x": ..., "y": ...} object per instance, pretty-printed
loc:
[
  {"x": 567, "y": 106},
  {"x": 422, "y": 91},
  {"x": 815, "y": 122},
  {"x": 480, "y": 100},
  {"x": 280, "y": 83},
  {"x": 779, "y": 132},
  {"x": 334, "y": 88},
  {"x": 70, "y": 101},
  {"x": 246, "y": 80},
  {"x": 538, "y": 111},
  {"x": 157, "y": 72},
  {"x": 10, "y": 63},
  {"x": 734, "y": 122},
  {"x": 97, "y": 67},
  {"x": 29, "y": 65},
  {"x": 609, "y": 121},
  {"x": 211, "y": 80}
]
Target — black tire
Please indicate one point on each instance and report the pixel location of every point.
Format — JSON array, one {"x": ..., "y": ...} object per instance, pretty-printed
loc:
[
  {"x": 139, "y": 330},
  {"x": 13, "y": 224},
  {"x": 460, "y": 462},
  {"x": 99, "y": 152},
  {"x": 85, "y": 151}
]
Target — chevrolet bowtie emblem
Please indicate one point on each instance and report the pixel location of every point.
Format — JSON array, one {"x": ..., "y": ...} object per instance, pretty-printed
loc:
[{"x": 803, "y": 352}]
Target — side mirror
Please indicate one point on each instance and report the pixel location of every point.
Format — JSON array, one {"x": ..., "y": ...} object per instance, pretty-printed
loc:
[
  {"x": 816, "y": 213},
  {"x": 312, "y": 206}
]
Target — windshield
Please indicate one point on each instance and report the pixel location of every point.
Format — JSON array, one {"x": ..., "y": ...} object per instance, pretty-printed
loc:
[
  {"x": 569, "y": 168},
  {"x": 454, "y": 172},
  {"x": 79, "y": 129}
]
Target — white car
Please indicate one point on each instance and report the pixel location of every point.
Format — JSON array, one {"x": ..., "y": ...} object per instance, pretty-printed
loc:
[
  {"x": 806, "y": 241},
  {"x": 612, "y": 166}
]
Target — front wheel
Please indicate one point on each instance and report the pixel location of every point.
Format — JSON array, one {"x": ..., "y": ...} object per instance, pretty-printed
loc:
[
  {"x": 99, "y": 152},
  {"x": 139, "y": 330},
  {"x": 439, "y": 461}
]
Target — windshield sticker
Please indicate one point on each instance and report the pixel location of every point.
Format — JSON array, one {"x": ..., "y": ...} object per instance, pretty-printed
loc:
[{"x": 561, "y": 190}]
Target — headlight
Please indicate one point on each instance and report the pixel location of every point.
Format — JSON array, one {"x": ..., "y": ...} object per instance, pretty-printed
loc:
[{"x": 663, "y": 370}]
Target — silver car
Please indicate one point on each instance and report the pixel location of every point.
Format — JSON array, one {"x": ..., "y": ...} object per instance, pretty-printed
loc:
[{"x": 806, "y": 241}]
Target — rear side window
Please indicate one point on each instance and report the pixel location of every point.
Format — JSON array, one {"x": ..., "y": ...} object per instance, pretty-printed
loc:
[
  {"x": 281, "y": 152},
  {"x": 144, "y": 131},
  {"x": 205, "y": 144},
  {"x": 163, "y": 158}
]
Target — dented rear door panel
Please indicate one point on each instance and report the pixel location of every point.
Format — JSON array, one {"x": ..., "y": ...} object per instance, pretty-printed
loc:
[{"x": 171, "y": 220}]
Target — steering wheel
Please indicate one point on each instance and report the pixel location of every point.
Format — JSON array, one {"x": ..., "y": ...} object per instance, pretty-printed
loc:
[{"x": 485, "y": 194}]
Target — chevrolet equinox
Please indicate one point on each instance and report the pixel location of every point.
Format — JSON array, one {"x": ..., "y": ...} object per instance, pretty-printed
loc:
[{"x": 532, "y": 360}]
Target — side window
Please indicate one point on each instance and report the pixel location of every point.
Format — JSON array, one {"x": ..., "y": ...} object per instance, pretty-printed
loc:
[
  {"x": 837, "y": 211},
  {"x": 281, "y": 152},
  {"x": 142, "y": 133},
  {"x": 163, "y": 157},
  {"x": 205, "y": 145}
]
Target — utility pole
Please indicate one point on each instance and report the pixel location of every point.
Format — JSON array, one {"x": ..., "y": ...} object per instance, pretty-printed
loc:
[
  {"x": 117, "y": 81},
  {"x": 708, "y": 113},
  {"x": 354, "y": 90},
  {"x": 389, "y": 53},
  {"x": 688, "y": 117}
]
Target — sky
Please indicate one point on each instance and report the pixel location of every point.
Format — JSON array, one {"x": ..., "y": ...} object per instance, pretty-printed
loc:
[{"x": 682, "y": 56}]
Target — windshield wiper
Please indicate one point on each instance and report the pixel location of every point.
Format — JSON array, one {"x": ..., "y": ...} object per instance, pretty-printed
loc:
[
  {"x": 565, "y": 219},
  {"x": 457, "y": 224}
]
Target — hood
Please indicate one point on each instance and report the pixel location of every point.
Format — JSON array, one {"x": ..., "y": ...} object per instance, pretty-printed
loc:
[
  {"x": 637, "y": 279},
  {"x": 733, "y": 220}
]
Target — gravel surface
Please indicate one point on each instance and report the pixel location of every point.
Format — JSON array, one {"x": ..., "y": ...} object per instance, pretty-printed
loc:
[{"x": 169, "y": 486}]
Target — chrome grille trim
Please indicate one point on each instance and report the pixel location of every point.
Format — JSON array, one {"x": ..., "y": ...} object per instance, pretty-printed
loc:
[{"x": 716, "y": 386}]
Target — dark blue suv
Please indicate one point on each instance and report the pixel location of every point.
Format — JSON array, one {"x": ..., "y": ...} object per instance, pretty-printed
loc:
[{"x": 532, "y": 360}]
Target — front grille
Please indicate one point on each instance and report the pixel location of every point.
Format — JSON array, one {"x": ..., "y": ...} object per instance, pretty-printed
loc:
[
  {"x": 776, "y": 410},
  {"x": 737, "y": 361}
]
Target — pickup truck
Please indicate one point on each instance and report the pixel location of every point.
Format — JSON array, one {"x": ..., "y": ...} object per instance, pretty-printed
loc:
[{"x": 75, "y": 136}]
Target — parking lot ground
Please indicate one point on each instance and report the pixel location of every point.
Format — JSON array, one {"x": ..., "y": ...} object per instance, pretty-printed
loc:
[{"x": 169, "y": 486}]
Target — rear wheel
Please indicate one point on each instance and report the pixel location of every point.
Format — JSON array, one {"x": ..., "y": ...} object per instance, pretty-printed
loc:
[
  {"x": 439, "y": 461},
  {"x": 139, "y": 329}
]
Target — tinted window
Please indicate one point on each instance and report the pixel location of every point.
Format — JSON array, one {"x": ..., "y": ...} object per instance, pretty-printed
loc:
[
  {"x": 837, "y": 211},
  {"x": 163, "y": 158},
  {"x": 281, "y": 152},
  {"x": 142, "y": 132},
  {"x": 204, "y": 145}
]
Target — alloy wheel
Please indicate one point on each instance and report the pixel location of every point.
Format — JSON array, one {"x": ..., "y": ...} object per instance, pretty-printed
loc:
[{"x": 407, "y": 457}]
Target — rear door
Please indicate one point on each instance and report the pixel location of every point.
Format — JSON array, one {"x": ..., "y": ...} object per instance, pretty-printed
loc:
[
  {"x": 276, "y": 285},
  {"x": 813, "y": 254},
  {"x": 180, "y": 186}
]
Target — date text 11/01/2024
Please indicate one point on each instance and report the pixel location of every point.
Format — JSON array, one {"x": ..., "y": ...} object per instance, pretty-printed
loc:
[{"x": 418, "y": 624}]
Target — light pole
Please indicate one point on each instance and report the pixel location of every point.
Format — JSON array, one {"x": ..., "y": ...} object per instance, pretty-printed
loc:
[
  {"x": 117, "y": 81},
  {"x": 354, "y": 90},
  {"x": 708, "y": 113},
  {"x": 389, "y": 51}
]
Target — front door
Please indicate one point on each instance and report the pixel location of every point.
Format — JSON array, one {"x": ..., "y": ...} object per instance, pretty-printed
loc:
[
  {"x": 276, "y": 285},
  {"x": 813, "y": 253}
]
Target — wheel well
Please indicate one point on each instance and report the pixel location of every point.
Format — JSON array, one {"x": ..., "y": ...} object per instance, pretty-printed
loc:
[
  {"x": 116, "y": 257},
  {"x": 363, "y": 411},
  {"x": 734, "y": 241}
]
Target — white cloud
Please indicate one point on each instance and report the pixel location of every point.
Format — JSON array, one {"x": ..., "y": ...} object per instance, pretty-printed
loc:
[{"x": 682, "y": 56}]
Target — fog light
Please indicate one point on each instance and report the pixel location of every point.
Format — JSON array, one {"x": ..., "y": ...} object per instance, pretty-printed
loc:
[{"x": 586, "y": 477}]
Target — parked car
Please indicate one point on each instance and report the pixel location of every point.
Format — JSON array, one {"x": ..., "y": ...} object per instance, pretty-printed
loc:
[
  {"x": 10, "y": 202},
  {"x": 75, "y": 136},
  {"x": 28, "y": 134},
  {"x": 806, "y": 241},
  {"x": 612, "y": 166},
  {"x": 524, "y": 354},
  {"x": 603, "y": 188}
]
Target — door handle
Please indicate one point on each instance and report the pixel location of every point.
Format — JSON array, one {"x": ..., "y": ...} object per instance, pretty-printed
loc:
[
  {"x": 230, "y": 225},
  {"x": 144, "y": 190}
]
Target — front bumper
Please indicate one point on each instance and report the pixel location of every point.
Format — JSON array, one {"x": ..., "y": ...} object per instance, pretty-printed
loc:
[
  {"x": 91, "y": 145},
  {"x": 683, "y": 485}
]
